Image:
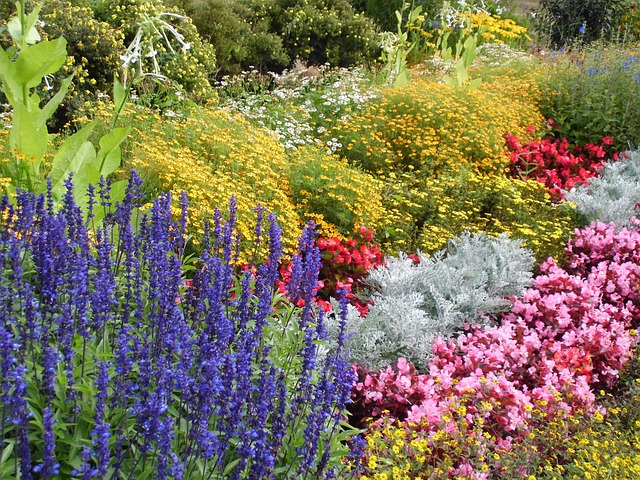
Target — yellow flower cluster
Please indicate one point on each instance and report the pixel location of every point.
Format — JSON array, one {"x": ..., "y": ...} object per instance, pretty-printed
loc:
[
  {"x": 495, "y": 204},
  {"x": 212, "y": 157},
  {"x": 498, "y": 30},
  {"x": 340, "y": 198},
  {"x": 432, "y": 128}
]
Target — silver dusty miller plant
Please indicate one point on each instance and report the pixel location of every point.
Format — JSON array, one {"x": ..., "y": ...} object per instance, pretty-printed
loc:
[
  {"x": 614, "y": 195},
  {"x": 416, "y": 303}
]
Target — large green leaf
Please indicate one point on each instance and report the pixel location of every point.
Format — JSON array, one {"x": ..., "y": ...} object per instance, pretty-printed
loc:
[
  {"x": 109, "y": 155},
  {"x": 25, "y": 136},
  {"x": 39, "y": 60},
  {"x": 8, "y": 84},
  {"x": 64, "y": 159}
]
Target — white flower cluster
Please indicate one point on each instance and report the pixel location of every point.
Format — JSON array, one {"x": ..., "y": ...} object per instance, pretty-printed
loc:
[{"x": 300, "y": 101}]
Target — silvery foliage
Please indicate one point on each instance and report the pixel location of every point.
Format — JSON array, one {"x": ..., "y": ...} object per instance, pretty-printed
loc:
[
  {"x": 613, "y": 195},
  {"x": 416, "y": 303}
]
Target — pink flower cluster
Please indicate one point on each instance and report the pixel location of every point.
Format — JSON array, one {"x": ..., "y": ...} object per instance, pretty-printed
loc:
[
  {"x": 568, "y": 335},
  {"x": 557, "y": 164}
]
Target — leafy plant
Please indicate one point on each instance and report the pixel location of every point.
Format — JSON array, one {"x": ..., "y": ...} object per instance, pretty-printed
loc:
[
  {"x": 22, "y": 68},
  {"x": 113, "y": 367},
  {"x": 589, "y": 94},
  {"x": 413, "y": 304},
  {"x": 613, "y": 196}
]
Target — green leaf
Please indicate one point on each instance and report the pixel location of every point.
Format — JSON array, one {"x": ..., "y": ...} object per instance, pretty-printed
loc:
[
  {"x": 7, "y": 79},
  {"x": 119, "y": 94},
  {"x": 27, "y": 138},
  {"x": 7, "y": 450},
  {"x": 109, "y": 155},
  {"x": 61, "y": 165},
  {"x": 78, "y": 164},
  {"x": 53, "y": 104},
  {"x": 39, "y": 60}
]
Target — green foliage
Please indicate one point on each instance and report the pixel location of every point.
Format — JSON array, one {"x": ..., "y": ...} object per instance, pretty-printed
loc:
[
  {"x": 326, "y": 187},
  {"x": 567, "y": 22},
  {"x": 319, "y": 31},
  {"x": 428, "y": 212},
  {"x": 383, "y": 11},
  {"x": 169, "y": 43},
  {"x": 22, "y": 68},
  {"x": 93, "y": 48},
  {"x": 592, "y": 93},
  {"x": 396, "y": 48},
  {"x": 239, "y": 42}
]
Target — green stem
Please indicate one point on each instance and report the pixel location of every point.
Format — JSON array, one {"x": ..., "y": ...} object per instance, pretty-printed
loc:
[{"x": 23, "y": 44}]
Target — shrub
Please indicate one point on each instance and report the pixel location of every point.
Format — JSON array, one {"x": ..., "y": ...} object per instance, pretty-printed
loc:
[
  {"x": 588, "y": 95},
  {"x": 413, "y": 304},
  {"x": 213, "y": 155},
  {"x": 613, "y": 196},
  {"x": 555, "y": 164},
  {"x": 325, "y": 188},
  {"x": 184, "y": 58},
  {"x": 320, "y": 31},
  {"x": 431, "y": 128},
  {"x": 565, "y": 22},
  {"x": 240, "y": 43},
  {"x": 426, "y": 213}
]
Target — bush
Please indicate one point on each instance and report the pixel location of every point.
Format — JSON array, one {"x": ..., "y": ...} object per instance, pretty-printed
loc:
[
  {"x": 213, "y": 155},
  {"x": 413, "y": 304},
  {"x": 613, "y": 196},
  {"x": 565, "y": 22},
  {"x": 240, "y": 43},
  {"x": 430, "y": 128},
  {"x": 111, "y": 366},
  {"x": 326, "y": 189},
  {"x": 319, "y": 31},
  {"x": 426, "y": 213},
  {"x": 184, "y": 58},
  {"x": 588, "y": 95}
]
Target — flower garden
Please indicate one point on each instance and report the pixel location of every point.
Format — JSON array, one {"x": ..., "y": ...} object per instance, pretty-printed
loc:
[{"x": 319, "y": 239}]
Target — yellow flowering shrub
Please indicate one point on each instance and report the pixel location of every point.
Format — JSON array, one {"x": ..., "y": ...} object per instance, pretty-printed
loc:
[
  {"x": 432, "y": 128},
  {"x": 340, "y": 198},
  {"x": 426, "y": 213},
  {"x": 213, "y": 156}
]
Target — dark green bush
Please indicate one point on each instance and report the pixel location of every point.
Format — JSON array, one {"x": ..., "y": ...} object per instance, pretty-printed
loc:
[
  {"x": 239, "y": 42},
  {"x": 567, "y": 22},
  {"x": 383, "y": 12}
]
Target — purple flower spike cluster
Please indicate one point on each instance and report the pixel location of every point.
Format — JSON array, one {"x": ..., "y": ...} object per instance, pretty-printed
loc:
[{"x": 113, "y": 366}]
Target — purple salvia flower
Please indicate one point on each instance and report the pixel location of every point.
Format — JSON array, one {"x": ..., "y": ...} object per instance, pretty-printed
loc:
[
  {"x": 86, "y": 472},
  {"x": 101, "y": 430},
  {"x": 49, "y": 466}
]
